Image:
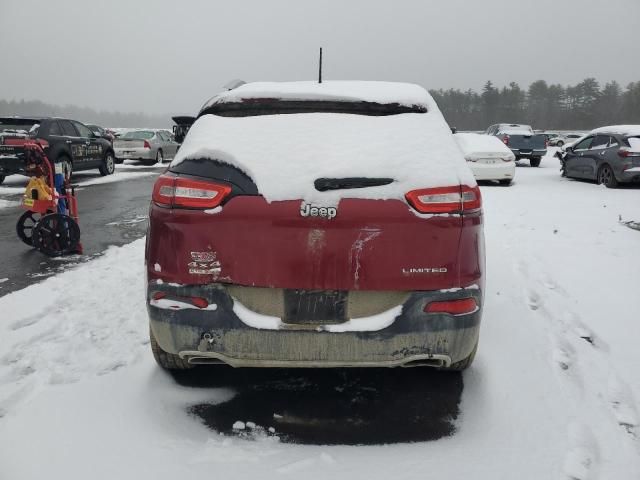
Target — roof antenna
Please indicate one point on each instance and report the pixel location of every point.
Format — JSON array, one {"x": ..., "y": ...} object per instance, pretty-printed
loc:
[{"x": 320, "y": 67}]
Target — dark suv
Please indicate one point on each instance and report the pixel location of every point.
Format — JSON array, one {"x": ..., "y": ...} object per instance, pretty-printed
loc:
[
  {"x": 609, "y": 155},
  {"x": 63, "y": 140}
]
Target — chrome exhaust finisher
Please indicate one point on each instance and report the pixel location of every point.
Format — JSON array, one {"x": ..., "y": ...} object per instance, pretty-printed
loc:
[{"x": 209, "y": 358}]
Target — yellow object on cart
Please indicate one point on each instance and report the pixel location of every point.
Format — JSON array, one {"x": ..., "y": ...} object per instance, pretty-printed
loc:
[{"x": 37, "y": 189}]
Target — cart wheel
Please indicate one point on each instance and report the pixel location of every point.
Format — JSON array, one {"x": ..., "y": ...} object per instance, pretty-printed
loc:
[
  {"x": 25, "y": 225},
  {"x": 56, "y": 234}
]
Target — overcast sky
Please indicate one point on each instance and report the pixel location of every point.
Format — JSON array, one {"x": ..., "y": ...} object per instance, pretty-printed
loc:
[{"x": 170, "y": 56}]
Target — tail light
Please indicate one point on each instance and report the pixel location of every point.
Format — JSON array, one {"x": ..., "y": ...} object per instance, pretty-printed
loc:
[
  {"x": 146, "y": 144},
  {"x": 461, "y": 306},
  {"x": 43, "y": 143},
  {"x": 171, "y": 191},
  {"x": 507, "y": 159},
  {"x": 459, "y": 199},
  {"x": 505, "y": 140},
  {"x": 625, "y": 153}
]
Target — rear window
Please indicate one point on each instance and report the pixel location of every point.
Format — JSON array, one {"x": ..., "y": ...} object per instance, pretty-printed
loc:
[
  {"x": 12, "y": 125},
  {"x": 515, "y": 129},
  {"x": 140, "y": 135},
  {"x": 634, "y": 143},
  {"x": 273, "y": 106}
]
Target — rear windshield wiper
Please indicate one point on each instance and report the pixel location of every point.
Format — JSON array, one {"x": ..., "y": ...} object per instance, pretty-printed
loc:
[{"x": 324, "y": 184}]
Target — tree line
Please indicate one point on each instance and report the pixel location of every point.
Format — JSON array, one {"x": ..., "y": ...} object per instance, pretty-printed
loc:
[
  {"x": 28, "y": 108},
  {"x": 584, "y": 106},
  {"x": 545, "y": 106}
]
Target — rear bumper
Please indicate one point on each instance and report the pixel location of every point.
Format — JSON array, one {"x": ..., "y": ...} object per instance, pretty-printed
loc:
[
  {"x": 134, "y": 153},
  {"x": 498, "y": 171},
  {"x": 631, "y": 175},
  {"x": 10, "y": 164},
  {"x": 529, "y": 153},
  {"x": 220, "y": 336}
]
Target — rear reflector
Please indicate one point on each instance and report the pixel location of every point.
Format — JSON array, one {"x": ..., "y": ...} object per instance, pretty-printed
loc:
[
  {"x": 453, "y": 307},
  {"x": 199, "y": 302},
  {"x": 172, "y": 191},
  {"x": 459, "y": 199}
]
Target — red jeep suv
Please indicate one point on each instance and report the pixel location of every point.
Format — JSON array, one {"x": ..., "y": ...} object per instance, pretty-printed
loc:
[{"x": 307, "y": 224}]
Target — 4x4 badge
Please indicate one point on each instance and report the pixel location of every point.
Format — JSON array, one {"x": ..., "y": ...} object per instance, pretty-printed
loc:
[{"x": 307, "y": 210}]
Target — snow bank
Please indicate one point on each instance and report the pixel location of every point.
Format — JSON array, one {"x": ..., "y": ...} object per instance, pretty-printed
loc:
[
  {"x": 406, "y": 94},
  {"x": 474, "y": 146},
  {"x": 285, "y": 154}
]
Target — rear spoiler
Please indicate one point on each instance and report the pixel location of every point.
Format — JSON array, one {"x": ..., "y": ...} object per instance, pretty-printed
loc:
[{"x": 183, "y": 120}]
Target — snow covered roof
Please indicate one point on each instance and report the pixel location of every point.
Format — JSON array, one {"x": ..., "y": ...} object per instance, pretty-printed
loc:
[
  {"x": 474, "y": 145},
  {"x": 285, "y": 154},
  {"x": 406, "y": 94},
  {"x": 619, "y": 129}
]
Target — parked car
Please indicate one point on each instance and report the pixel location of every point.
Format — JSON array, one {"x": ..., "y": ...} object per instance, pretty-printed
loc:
[
  {"x": 564, "y": 138},
  {"x": 610, "y": 155},
  {"x": 521, "y": 140},
  {"x": 488, "y": 157},
  {"x": 150, "y": 146},
  {"x": 102, "y": 132},
  {"x": 316, "y": 225},
  {"x": 64, "y": 141}
]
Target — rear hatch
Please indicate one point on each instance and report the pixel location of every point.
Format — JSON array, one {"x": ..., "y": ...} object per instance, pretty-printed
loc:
[
  {"x": 346, "y": 225},
  {"x": 526, "y": 142},
  {"x": 14, "y": 132},
  {"x": 368, "y": 245}
]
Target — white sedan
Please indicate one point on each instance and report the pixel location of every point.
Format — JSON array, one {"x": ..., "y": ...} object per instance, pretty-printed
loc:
[{"x": 487, "y": 156}]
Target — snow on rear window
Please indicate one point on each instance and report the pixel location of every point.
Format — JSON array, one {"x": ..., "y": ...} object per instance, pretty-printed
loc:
[
  {"x": 285, "y": 154},
  {"x": 379, "y": 92}
]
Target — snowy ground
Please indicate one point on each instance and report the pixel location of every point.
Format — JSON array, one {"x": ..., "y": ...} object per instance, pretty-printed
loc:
[{"x": 552, "y": 394}]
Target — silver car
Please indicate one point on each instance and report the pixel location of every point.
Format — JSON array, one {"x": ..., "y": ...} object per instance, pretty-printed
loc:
[{"x": 149, "y": 146}]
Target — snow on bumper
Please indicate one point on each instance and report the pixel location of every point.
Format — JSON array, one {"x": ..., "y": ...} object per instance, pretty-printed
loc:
[{"x": 221, "y": 336}]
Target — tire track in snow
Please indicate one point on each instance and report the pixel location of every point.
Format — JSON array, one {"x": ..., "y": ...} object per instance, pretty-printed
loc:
[{"x": 583, "y": 362}]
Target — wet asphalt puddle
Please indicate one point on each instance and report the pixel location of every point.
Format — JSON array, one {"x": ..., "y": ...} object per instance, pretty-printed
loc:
[{"x": 332, "y": 406}]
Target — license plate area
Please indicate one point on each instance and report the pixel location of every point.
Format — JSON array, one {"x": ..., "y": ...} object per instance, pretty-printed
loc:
[{"x": 315, "y": 307}]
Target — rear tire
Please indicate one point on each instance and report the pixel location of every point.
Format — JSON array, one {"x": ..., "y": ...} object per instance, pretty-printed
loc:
[
  {"x": 108, "y": 164},
  {"x": 462, "y": 364},
  {"x": 535, "y": 161},
  {"x": 159, "y": 156},
  {"x": 67, "y": 168},
  {"x": 560, "y": 143},
  {"x": 2, "y": 177},
  {"x": 505, "y": 181},
  {"x": 168, "y": 361},
  {"x": 606, "y": 177}
]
